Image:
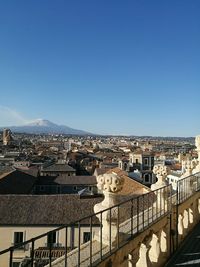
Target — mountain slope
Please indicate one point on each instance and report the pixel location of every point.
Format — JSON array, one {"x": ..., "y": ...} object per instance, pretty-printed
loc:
[{"x": 41, "y": 126}]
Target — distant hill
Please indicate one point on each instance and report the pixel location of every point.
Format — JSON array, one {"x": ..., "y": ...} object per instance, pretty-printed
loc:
[{"x": 41, "y": 126}]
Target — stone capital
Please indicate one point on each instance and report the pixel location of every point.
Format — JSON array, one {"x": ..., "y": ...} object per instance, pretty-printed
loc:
[
  {"x": 110, "y": 182},
  {"x": 197, "y": 143},
  {"x": 161, "y": 173}
]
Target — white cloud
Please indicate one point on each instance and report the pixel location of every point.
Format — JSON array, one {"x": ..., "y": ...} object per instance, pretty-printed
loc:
[{"x": 11, "y": 117}]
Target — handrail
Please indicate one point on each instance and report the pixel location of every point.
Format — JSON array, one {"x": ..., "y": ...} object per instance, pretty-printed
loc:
[
  {"x": 76, "y": 222},
  {"x": 142, "y": 222}
]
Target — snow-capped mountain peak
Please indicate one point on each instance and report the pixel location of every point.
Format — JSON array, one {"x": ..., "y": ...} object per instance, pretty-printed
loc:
[
  {"x": 45, "y": 126},
  {"x": 41, "y": 122}
]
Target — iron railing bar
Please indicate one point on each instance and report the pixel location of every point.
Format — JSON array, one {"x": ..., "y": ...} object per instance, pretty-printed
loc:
[
  {"x": 118, "y": 227},
  {"x": 79, "y": 244},
  {"x": 32, "y": 253},
  {"x": 50, "y": 255},
  {"x": 66, "y": 241},
  {"x": 91, "y": 241},
  {"x": 110, "y": 232},
  {"x": 69, "y": 224},
  {"x": 131, "y": 217},
  {"x": 138, "y": 215},
  {"x": 143, "y": 211},
  {"x": 148, "y": 210},
  {"x": 160, "y": 196},
  {"x": 11, "y": 258},
  {"x": 179, "y": 200},
  {"x": 101, "y": 236}
]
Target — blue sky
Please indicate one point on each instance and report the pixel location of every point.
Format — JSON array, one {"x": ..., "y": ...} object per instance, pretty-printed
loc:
[{"x": 105, "y": 66}]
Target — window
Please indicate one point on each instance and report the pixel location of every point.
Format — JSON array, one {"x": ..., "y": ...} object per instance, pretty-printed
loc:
[
  {"x": 58, "y": 189},
  {"x": 125, "y": 166},
  {"x": 16, "y": 264},
  {"x": 136, "y": 161},
  {"x": 51, "y": 239},
  {"x": 86, "y": 237},
  {"x": 146, "y": 162},
  {"x": 18, "y": 237},
  {"x": 41, "y": 188},
  {"x": 146, "y": 178}
]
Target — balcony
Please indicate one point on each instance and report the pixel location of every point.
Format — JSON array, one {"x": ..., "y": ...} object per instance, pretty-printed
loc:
[{"x": 143, "y": 231}]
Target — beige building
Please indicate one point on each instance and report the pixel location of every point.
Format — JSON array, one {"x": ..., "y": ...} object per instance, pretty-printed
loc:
[
  {"x": 57, "y": 169},
  {"x": 139, "y": 166},
  {"x": 7, "y": 138},
  {"x": 26, "y": 216}
]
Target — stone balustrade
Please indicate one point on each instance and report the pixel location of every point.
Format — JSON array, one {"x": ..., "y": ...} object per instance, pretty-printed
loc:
[
  {"x": 156, "y": 224},
  {"x": 156, "y": 231}
]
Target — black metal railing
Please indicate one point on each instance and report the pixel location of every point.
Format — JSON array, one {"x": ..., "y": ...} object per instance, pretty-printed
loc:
[
  {"x": 187, "y": 186},
  {"x": 125, "y": 221}
]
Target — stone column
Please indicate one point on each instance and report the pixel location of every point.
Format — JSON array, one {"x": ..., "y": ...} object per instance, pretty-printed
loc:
[
  {"x": 187, "y": 169},
  {"x": 144, "y": 260},
  {"x": 110, "y": 184},
  {"x": 133, "y": 257},
  {"x": 161, "y": 173},
  {"x": 197, "y": 143},
  {"x": 188, "y": 183}
]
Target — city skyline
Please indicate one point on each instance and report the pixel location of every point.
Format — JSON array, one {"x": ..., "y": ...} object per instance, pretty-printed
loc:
[{"x": 104, "y": 67}]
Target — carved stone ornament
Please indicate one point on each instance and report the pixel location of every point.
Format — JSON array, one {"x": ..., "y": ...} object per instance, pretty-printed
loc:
[
  {"x": 161, "y": 172},
  {"x": 188, "y": 168},
  {"x": 110, "y": 182},
  {"x": 197, "y": 142}
]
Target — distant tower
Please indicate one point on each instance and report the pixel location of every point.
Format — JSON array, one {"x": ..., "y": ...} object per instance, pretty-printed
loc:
[
  {"x": 7, "y": 138},
  {"x": 68, "y": 145}
]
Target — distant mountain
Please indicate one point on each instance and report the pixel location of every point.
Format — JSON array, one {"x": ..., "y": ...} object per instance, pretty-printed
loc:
[{"x": 41, "y": 126}]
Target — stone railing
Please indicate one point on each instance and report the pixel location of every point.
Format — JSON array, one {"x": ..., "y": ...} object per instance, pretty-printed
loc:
[{"x": 142, "y": 231}]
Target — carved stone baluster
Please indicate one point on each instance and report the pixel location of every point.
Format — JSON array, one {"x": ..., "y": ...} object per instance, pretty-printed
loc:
[
  {"x": 134, "y": 257},
  {"x": 198, "y": 206},
  {"x": 180, "y": 224},
  {"x": 154, "y": 251},
  {"x": 163, "y": 240},
  {"x": 191, "y": 215},
  {"x": 188, "y": 169},
  {"x": 185, "y": 221},
  {"x": 145, "y": 247},
  {"x": 161, "y": 173},
  {"x": 197, "y": 143},
  {"x": 110, "y": 184},
  {"x": 163, "y": 243}
]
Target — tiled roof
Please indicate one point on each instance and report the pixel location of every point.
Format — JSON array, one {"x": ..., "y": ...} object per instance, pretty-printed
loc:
[
  {"x": 66, "y": 180},
  {"x": 99, "y": 171},
  {"x": 16, "y": 182},
  {"x": 58, "y": 168},
  {"x": 44, "y": 209},
  {"x": 58, "y": 209},
  {"x": 5, "y": 170},
  {"x": 130, "y": 187}
]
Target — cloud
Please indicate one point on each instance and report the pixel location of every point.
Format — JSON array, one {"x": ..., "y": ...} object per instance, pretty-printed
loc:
[{"x": 11, "y": 117}]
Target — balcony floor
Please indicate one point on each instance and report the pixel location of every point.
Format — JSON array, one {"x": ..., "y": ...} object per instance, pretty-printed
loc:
[{"x": 189, "y": 253}]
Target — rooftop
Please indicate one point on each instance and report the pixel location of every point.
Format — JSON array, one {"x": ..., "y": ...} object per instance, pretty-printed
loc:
[
  {"x": 44, "y": 209},
  {"x": 58, "y": 168}
]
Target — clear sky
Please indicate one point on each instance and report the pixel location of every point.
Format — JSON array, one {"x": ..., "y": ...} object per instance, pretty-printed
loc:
[{"x": 105, "y": 66}]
